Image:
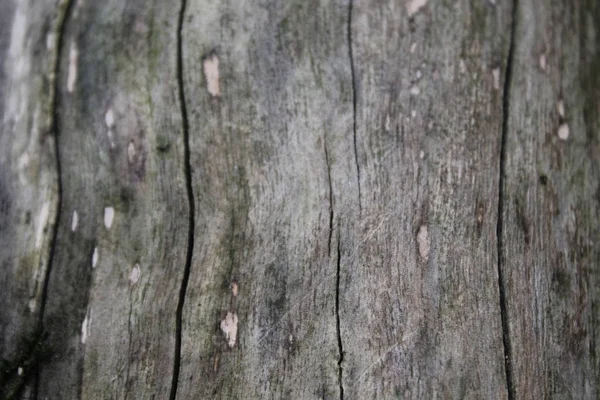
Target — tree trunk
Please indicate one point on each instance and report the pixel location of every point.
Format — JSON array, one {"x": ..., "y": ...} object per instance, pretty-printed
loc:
[{"x": 327, "y": 199}]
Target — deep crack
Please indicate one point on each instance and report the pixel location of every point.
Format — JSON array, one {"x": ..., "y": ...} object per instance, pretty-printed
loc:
[
  {"x": 190, "y": 196},
  {"x": 353, "y": 75},
  {"x": 499, "y": 226},
  {"x": 64, "y": 11}
]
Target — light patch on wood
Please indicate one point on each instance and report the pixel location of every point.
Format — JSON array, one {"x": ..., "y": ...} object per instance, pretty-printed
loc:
[
  {"x": 560, "y": 107},
  {"x": 109, "y": 215},
  {"x": 23, "y": 163},
  {"x": 74, "y": 221},
  {"x": 41, "y": 225},
  {"x": 415, "y": 91},
  {"x": 423, "y": 241},
  {"x": 135, "y": 274},
  {"x": 85, "y": 328},
  {"x": 413, "y": 113},
  {"x": 50, "y": 41},
  {"x": 234, "y": 289},
  {"x": 211, "y": 73},
  {"x": 72, "y": 72},
  {"x": 462, "y": 67},
  {"x": 413, "y": 47},
  {"x": 418, "y": 74},
  {"x": 543, "y": 62},
  {"x": 229, "y": 326},
  {"x": 95, "y": 257},
  {"x": 216, "y": 363},
  {"x": 18, "y": 33},
  {"x": 496, "y": 75},
  {"x": 563, "y": 132},
  {"x": 387, "y": 122},
  {"x": 413, "y": 6},
  {"x": 131, "y": 152},
  {"x": 109, "y": 118},
  {"x": 422, "y": 155},
  {"x": 20, "y": 371}
]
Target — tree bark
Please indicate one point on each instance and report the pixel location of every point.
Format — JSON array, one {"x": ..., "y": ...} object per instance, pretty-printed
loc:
[{"x": 300, "y": 199}]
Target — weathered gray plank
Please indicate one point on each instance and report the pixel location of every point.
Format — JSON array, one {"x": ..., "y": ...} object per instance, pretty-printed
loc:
[
  {"x": 419, "y": 297},
  {"x": 551, "y": 201},
  {"x": 28, "y": 180},
  {"x": 260, "y": 155},
  {"x": 122, "y": 238}
]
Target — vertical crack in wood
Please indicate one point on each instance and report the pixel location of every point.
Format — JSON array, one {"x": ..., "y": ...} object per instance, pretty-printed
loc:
[
  {"x": 337, "y": 280},
  {"x": 353, "y": 75},
  {"x": 337, "y": 320},
  {"x": 499, "y": 226},
  {"x": 190, "y": 195},
  {"x": 63, "y": 12},
  {"x": 330, "y": 197}
]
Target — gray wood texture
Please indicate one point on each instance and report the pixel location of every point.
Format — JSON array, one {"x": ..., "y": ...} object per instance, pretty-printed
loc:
[
  {"x": 346, "y": 199},
  {"x": 551, "y": 197}
]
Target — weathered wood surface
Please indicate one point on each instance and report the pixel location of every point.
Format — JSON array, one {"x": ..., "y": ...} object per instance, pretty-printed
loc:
[
  {"x": 325, "y": 199},
  {"x": 551, "y": 201}
]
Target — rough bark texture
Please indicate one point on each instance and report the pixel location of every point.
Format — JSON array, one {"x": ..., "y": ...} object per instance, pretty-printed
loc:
[{"x": 324, "y": 199}]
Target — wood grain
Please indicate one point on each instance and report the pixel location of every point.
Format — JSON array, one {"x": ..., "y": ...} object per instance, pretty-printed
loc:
[
  {"x": 29, "y": 186},
  {"x": 324, "y": 199},
  {"x": 114, "y": 288},
  {"x": 419, "y": 297},
  {"x": 551, "y": 258},
  {"x": 262, "y": 187}
]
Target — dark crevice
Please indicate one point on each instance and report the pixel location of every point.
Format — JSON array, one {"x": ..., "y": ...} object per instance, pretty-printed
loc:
[
  {"x": 353, "y": 74},
  {"x": 190, "y": 196},
  {"x": 499, "y": 226},
  {"x": 337, "y": 321},
  {"x": 337, "y": 271},
  {"x": 330, "y": 198},
  {"x": 64, "y": 11}
]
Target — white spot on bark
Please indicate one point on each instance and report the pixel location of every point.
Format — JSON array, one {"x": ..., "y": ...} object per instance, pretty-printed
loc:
[
  {"x": 422, "y": 155},
  {"x": 419, "y": 74},
  {"x": 413, "y": 47},
  {"x": 462, "y": 67},
  {"x": 31, "y": 305},
  {"x": 229, "y": 328},
  {"x": 95, "y": 257},
  {"x": 20, "y": 371},
  {"x": 211, "y": 73},
  {"x": 413, "y": 113},
  {"x": 72, "y": 73},
  {"x": 74, "y": 221},
  {"x": 85, "y": 328},
  {"x": 24, "y": 160},
  {"x": 291, "y": 338},
  {"x": 50, "y": 41},
  {"x": 109, "y": 118},
  {"x": 423, "y": 241},
  {"x": 563, "y": 132},
  {"x": 109, "y": 215},
  {"x": 41, "y": 225},
  {"x": 18, "y": 33},
  {"x": 543, "y": 62},
  {"x": 234, "y": 289},
  {"x": 415, "y": 91},
  {"x": 412, "y": 6},
  {"x": 131, "y": 152},
  {"x": 387, "y": 122},
  {"x": 496, "y": 75},
  {"x": 136, "y": 272},
  {"x": 560, "y": 107}
]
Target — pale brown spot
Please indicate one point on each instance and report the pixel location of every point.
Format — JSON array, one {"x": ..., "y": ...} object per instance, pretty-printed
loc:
[{"x": 211, "y": 73}]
